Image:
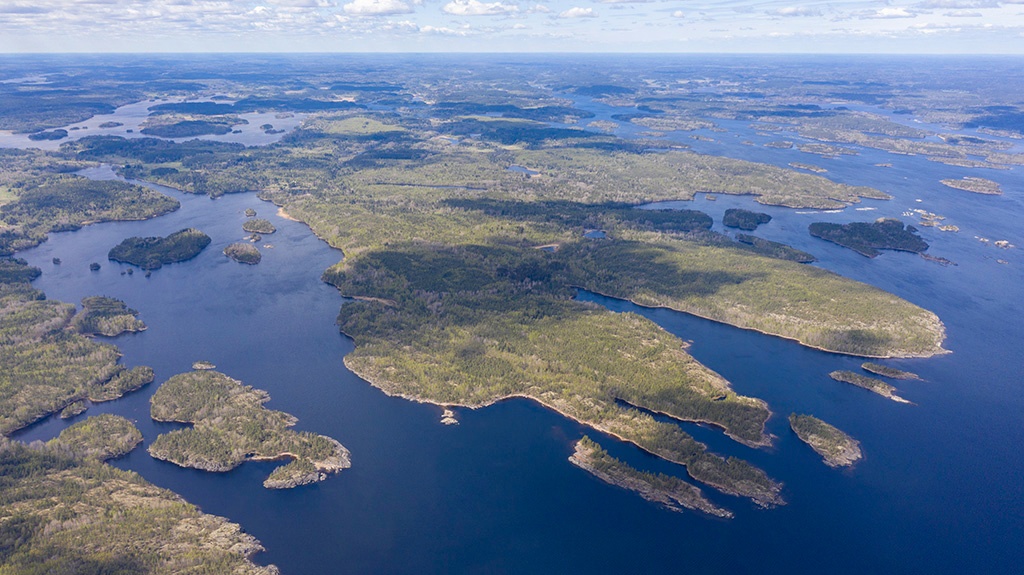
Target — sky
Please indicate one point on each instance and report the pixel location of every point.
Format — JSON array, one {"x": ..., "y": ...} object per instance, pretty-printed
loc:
[{"x": 747, "y": 26}]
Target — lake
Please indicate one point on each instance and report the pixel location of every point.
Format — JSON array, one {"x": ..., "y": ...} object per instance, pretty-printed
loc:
[{"x": 939, "y": 489}]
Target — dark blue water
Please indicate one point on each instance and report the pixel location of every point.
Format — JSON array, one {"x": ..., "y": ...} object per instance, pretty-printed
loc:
[{"x": 939, "y": 489}]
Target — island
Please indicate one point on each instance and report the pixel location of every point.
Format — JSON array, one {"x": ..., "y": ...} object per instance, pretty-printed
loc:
[
  {"x": 250, "y": 213},
  {"x": 109, "y": 124},
  {"x": 869, "y": 383},
  {"x": 153, "y": 252},
  {"x": 230, "y": 426},
  {"x": 867, "y": 238},
  {"x": 107, "y": 317},
  {"x": 744, "y": 219},
  {"x": 259, "y": 226},
  {"x": 243, "y": 253},
  {"x": 669, "y": 491},
  {"x": 59, "y": 134},
  {"x": 836, "y": 448},
  {"x": 886, "y": 371},
  {"x": 975, "y": 185},
  {"x": 187, "y": 129},
  {"x": 203, "y": 364}
]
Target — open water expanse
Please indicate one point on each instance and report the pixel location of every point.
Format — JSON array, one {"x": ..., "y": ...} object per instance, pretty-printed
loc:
[{"x": 940, "y": 489}]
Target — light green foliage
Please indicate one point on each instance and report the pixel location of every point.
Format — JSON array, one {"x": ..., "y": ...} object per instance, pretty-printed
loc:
[
  {"x": 125, "y": 381},
  {"x": 102, "y": 436},
  {"x": 62, "y": 514},
  {"x": 231, "y": 426},
  {"x": 106, "y": 316},
  {"x": 47, "y": 366},
  {"x": 816, "y": 307},
  {"x": 62, "y": 203}
]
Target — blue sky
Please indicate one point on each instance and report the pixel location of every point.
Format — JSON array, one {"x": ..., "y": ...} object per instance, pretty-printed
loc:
[{"x": 895, "y": 26}]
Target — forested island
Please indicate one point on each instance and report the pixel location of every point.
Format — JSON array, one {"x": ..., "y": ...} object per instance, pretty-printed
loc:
[
  {"x": 744, "y": 219},
  {"x": 153, "y": 252},
  {"x": 886, "y": 371},
  {"x": 243, "y": 253},
  {"x": 669, "y": 491},
  {"x": 869, "y": 383},
  {"x": 867, "y": 238},
  {"x": 259, "y": 226},
  {"x": 230, "y": 426},
  {"x": 835, "y": 447}
]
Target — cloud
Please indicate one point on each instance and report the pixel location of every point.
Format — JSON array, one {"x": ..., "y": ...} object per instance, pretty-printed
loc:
[
  {"x": 301, "y": 3},
  {"x": 538, "y": 9},
  {"x": 577, "y": 12},
  {"x": 376, "y": 7},
  {"x": 957, "y": 4},
  {"x": 887, "y": 13},
  {"x": 963, "y": 14},
  {"x": 678, "y": 14},
  {"x": 443, "y": 31},
  {"x": 477, "y": 8},
  {"x": 624, "y": 1},
  {"x": 793, "y": 11}
]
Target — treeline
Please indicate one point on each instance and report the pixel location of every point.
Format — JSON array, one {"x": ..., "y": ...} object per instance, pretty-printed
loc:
[{"x": 67, "y": 202}]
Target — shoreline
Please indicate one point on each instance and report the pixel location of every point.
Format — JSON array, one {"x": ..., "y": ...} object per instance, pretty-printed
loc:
[
  {"x": 762, "y": 502},
  {"x": 807, "y": 345}
]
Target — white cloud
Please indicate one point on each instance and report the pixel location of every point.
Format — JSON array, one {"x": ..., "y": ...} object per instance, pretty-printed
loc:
[
  {"x": 538, "y": 9},
  {"x": 888, "y": 12},
  {"x": 477, "y": 8},
  {"x": 795, "y": 11},
  {"x": 577, "y": 12},
  {"x": 442, "y": 31},
  {"x": 678, "y": 14},
  {"x": 377, "y": 7},
  {"x": 963, "y": 14}
]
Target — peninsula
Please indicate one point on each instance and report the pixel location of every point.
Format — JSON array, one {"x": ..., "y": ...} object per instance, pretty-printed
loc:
[
  {"x": 232, "y": 426},
  {"x": 106, "y": 316},
  {"x": 835, "y": 447}
]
